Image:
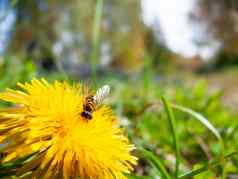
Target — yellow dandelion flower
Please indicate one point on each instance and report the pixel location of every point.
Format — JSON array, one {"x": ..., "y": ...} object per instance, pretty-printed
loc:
[{"x": 47, "y": 121}]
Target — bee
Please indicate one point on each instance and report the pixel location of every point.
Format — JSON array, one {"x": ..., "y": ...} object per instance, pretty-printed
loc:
[{"x": 92, "y": 101}]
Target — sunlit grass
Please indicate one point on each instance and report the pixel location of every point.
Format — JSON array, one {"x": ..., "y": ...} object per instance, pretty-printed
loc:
[{"x": 193, "y": 113}]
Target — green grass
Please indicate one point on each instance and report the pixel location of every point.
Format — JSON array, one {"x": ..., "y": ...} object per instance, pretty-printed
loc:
[
  {"x": 197, "y": 114},
  {"x": 174, "y": 132},
  {"x": 164, "y": 131}
]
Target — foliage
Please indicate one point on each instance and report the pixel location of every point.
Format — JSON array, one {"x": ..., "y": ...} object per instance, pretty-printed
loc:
[
  {"x": 137, "y": 101},
  {"x": 189, "y": 132},
  {"x": 148, "y": 126}
]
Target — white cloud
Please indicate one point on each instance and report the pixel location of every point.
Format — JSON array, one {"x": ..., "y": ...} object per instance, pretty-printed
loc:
[{"x": 173, "y": 19}]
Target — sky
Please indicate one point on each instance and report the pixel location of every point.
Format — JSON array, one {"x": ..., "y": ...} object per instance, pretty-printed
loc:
[
  {"x": 178, "y": 31},
  {"x": 7, "y": 20},
  {"x": 172, "y": 16}
]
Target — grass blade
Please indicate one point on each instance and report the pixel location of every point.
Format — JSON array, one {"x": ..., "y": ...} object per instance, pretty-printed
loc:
[
  {"x": 156, "y": 163},
  {"x": 172, "y": 123},
  {"x": 212, "y": 163},
  {"x": 136, "y": 177},
  {"x": 8, "y": 169},
  {"x": 207, "y": 124},
  {"x": 96, "y": 37},
  {"x": 200, "y": 118}
]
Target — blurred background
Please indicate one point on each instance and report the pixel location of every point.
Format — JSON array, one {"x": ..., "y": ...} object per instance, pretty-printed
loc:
[{"x": 186, "y": 50}]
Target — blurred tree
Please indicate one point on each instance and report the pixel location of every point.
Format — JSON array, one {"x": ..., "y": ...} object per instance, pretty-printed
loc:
[
  {"x": 160, "y": 56},
  {"x": 220, "y": 18},
  {"x": 61, "y": 31}
]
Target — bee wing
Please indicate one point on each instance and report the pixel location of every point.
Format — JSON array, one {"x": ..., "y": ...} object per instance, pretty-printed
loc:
[{"x": 102, "y": 93}]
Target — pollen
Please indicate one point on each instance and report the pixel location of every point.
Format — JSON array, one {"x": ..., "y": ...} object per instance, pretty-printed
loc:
[{"x": 45, "y": 123}]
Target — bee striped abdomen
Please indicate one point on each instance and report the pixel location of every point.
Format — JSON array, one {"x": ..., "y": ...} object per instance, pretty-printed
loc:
[
  {"x": 91, "y": 102},
  {"x": 88, "y": 107}
]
